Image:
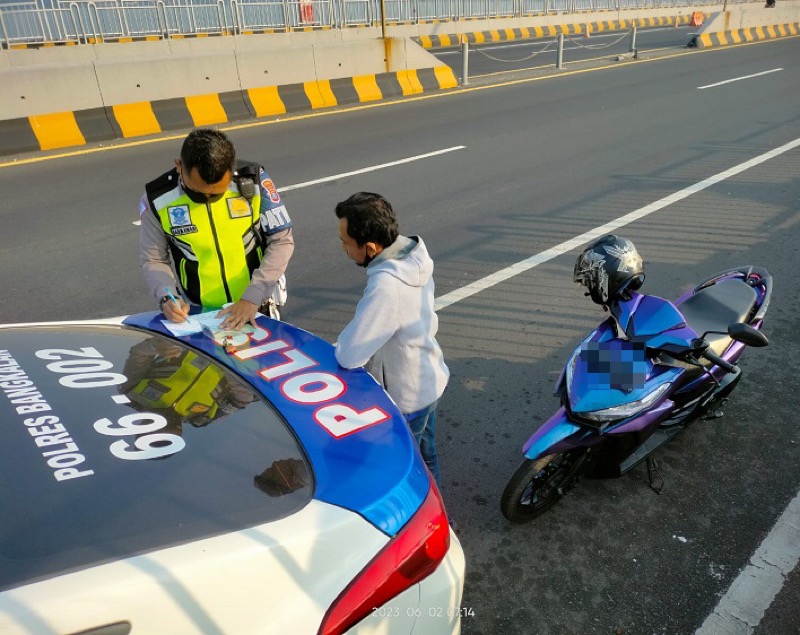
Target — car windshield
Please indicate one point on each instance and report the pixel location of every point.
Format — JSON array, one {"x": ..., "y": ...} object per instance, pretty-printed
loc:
[{"x": 116, "y": 442}]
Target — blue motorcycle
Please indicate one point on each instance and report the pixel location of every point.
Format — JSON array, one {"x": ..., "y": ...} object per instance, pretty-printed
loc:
[{"x": 644, "y": 375}]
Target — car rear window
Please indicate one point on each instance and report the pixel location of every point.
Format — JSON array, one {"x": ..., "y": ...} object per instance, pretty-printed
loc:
[{"x": 115, "y": 442}]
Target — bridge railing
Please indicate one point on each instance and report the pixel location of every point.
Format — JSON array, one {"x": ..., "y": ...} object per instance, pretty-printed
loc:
[{"x": 92, "y": 21}]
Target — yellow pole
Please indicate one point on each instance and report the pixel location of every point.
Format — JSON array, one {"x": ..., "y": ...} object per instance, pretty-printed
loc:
[{"x": 386, "y": 44}]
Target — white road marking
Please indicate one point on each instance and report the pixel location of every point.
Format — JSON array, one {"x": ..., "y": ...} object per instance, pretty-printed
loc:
[
  {"x": 288, "y": 188},
  {"x": 750, "y": 595},
  {"x": 742, "y": 608},
  {"x": 738, "y": 79},
  {"x": 534, "y": 261},
  {"x": 372, "y": 168}
]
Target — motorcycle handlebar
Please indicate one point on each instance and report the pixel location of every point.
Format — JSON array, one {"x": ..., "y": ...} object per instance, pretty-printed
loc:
[{"x": 716, "y": 359}]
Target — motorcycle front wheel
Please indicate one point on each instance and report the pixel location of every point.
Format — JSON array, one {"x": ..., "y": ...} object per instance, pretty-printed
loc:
[{"x": 538, "y": 484}]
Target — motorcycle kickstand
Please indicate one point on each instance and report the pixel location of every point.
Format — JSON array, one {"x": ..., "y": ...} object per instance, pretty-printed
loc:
[
  {"x": 652, "y": 470},
  {"x": 716, "y": 413}
]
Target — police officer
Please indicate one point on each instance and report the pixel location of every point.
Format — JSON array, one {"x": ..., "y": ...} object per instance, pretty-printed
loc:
[{"x": 214, "y": 231}]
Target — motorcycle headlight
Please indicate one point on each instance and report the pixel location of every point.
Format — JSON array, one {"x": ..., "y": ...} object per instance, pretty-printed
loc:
[
  {"x": 573, "y": 360},
  {"x": 626, "y": 410}
]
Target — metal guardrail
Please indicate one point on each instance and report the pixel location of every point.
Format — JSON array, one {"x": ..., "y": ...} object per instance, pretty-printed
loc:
[{"x": 91, "y": 21}]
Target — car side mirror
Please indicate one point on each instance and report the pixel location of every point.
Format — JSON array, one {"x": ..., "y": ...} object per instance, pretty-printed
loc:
[{"x": 746, "y": 334}]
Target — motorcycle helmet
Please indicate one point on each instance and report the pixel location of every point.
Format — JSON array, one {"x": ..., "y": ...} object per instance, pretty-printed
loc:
[{"x": 609, "y": 268}]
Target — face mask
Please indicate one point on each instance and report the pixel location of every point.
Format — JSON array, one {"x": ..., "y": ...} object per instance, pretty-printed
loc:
[{"x": 200, "y": 197}]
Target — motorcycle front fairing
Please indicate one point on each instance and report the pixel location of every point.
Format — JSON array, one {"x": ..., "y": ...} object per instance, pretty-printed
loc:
[
  {"x": 607, "y": 373},
  {"x": 611, "y": 385},
  {"x": 560, "y": 433},
  {"x": 557, "y": 434}
]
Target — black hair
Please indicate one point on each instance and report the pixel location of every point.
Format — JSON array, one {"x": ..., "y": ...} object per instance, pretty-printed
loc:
[
  {"x": 370, "y": 219},
  {"x": 210, "y": 151}
]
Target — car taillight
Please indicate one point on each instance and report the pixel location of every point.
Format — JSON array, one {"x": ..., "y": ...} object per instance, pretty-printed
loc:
[{"x": 412, "y": 555}]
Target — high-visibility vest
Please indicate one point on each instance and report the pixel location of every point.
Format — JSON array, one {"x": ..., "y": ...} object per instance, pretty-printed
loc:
[
  {"x": 189, "y": 388},
  {"x": 215, "y": 246}
]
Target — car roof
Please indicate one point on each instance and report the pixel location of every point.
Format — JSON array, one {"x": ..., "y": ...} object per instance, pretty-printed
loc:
[{"x": 365, "y": 463}]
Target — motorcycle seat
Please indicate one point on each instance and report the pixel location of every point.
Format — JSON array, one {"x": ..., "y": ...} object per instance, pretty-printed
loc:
[{"x": 717, "y": 306}]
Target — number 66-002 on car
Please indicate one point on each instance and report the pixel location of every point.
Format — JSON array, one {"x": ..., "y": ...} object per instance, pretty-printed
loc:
[{"x": 163, "y": 485}]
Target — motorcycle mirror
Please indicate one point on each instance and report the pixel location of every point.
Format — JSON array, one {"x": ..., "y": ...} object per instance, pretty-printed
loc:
[{"x": 747, "y": 334}]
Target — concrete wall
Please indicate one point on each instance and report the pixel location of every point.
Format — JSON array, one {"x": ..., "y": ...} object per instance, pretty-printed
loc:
[
  {"x": 554, "y": 19},
  {"x": 76, "y": 77},
  {"x": 748, "y": 17},
  {"x": 76, "y": 95},
  {"x": 746, "y": 24},
  {"x": 70, "y": 95},
  {"x": 42, "y": 81}
]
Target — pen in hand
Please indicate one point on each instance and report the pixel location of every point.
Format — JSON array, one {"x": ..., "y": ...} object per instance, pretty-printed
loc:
[
  {"x": 176, "y": 312},
  {"x": 171, "y": 296}
]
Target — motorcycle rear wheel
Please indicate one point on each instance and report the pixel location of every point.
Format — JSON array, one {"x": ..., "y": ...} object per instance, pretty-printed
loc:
[{"x": 538, "y": 484}]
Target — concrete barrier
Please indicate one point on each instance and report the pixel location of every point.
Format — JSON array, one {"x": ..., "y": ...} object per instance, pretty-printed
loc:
[
  {"x": 31, "y": 97},
  {"x": 180, "y": 85},
  {"x": 742, "y": 24},
  {"x": 43, "y": 89},
  {"x": 61, "y": 97},
  {"x": 552, "y": 29},
  {"x": 744, "y": 35}
]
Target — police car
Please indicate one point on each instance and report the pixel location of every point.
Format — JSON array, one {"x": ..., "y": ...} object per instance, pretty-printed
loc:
[{"x": 196, "y": 482}]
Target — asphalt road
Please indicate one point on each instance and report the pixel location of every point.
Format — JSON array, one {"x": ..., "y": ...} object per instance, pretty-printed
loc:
[{"x": 523, "y": 166}]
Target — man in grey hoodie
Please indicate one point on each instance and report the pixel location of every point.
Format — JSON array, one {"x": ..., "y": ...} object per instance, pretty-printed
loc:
[{"x": 393, "y": 332}]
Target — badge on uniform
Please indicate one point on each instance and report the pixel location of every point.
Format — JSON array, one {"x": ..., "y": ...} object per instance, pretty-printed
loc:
[
  {"x": 238, "y": 207},
  {"x": 268, "y": 188},
  {"x": 180, "y": 220},
  {"x": 179, "y": 216}
]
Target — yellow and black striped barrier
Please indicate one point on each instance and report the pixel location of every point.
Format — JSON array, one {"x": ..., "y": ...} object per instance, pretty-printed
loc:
[
  {"x": 70, "y": 129},
  {"x": 742, "y": 36},
  {"x": 524, "y": 33}
]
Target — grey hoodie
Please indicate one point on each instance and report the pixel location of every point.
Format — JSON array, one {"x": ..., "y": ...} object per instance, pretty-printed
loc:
[{"x": 393, "y": 332}]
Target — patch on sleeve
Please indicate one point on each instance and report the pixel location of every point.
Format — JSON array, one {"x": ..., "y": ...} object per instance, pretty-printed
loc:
[
  {"x": 143, "y": 205},
  {"x": 275, "y": 219},
  {"x": 268, "y": 190}
]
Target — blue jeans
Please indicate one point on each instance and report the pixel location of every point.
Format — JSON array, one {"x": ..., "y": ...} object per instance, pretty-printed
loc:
[{"x": 422, "y": 424}]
